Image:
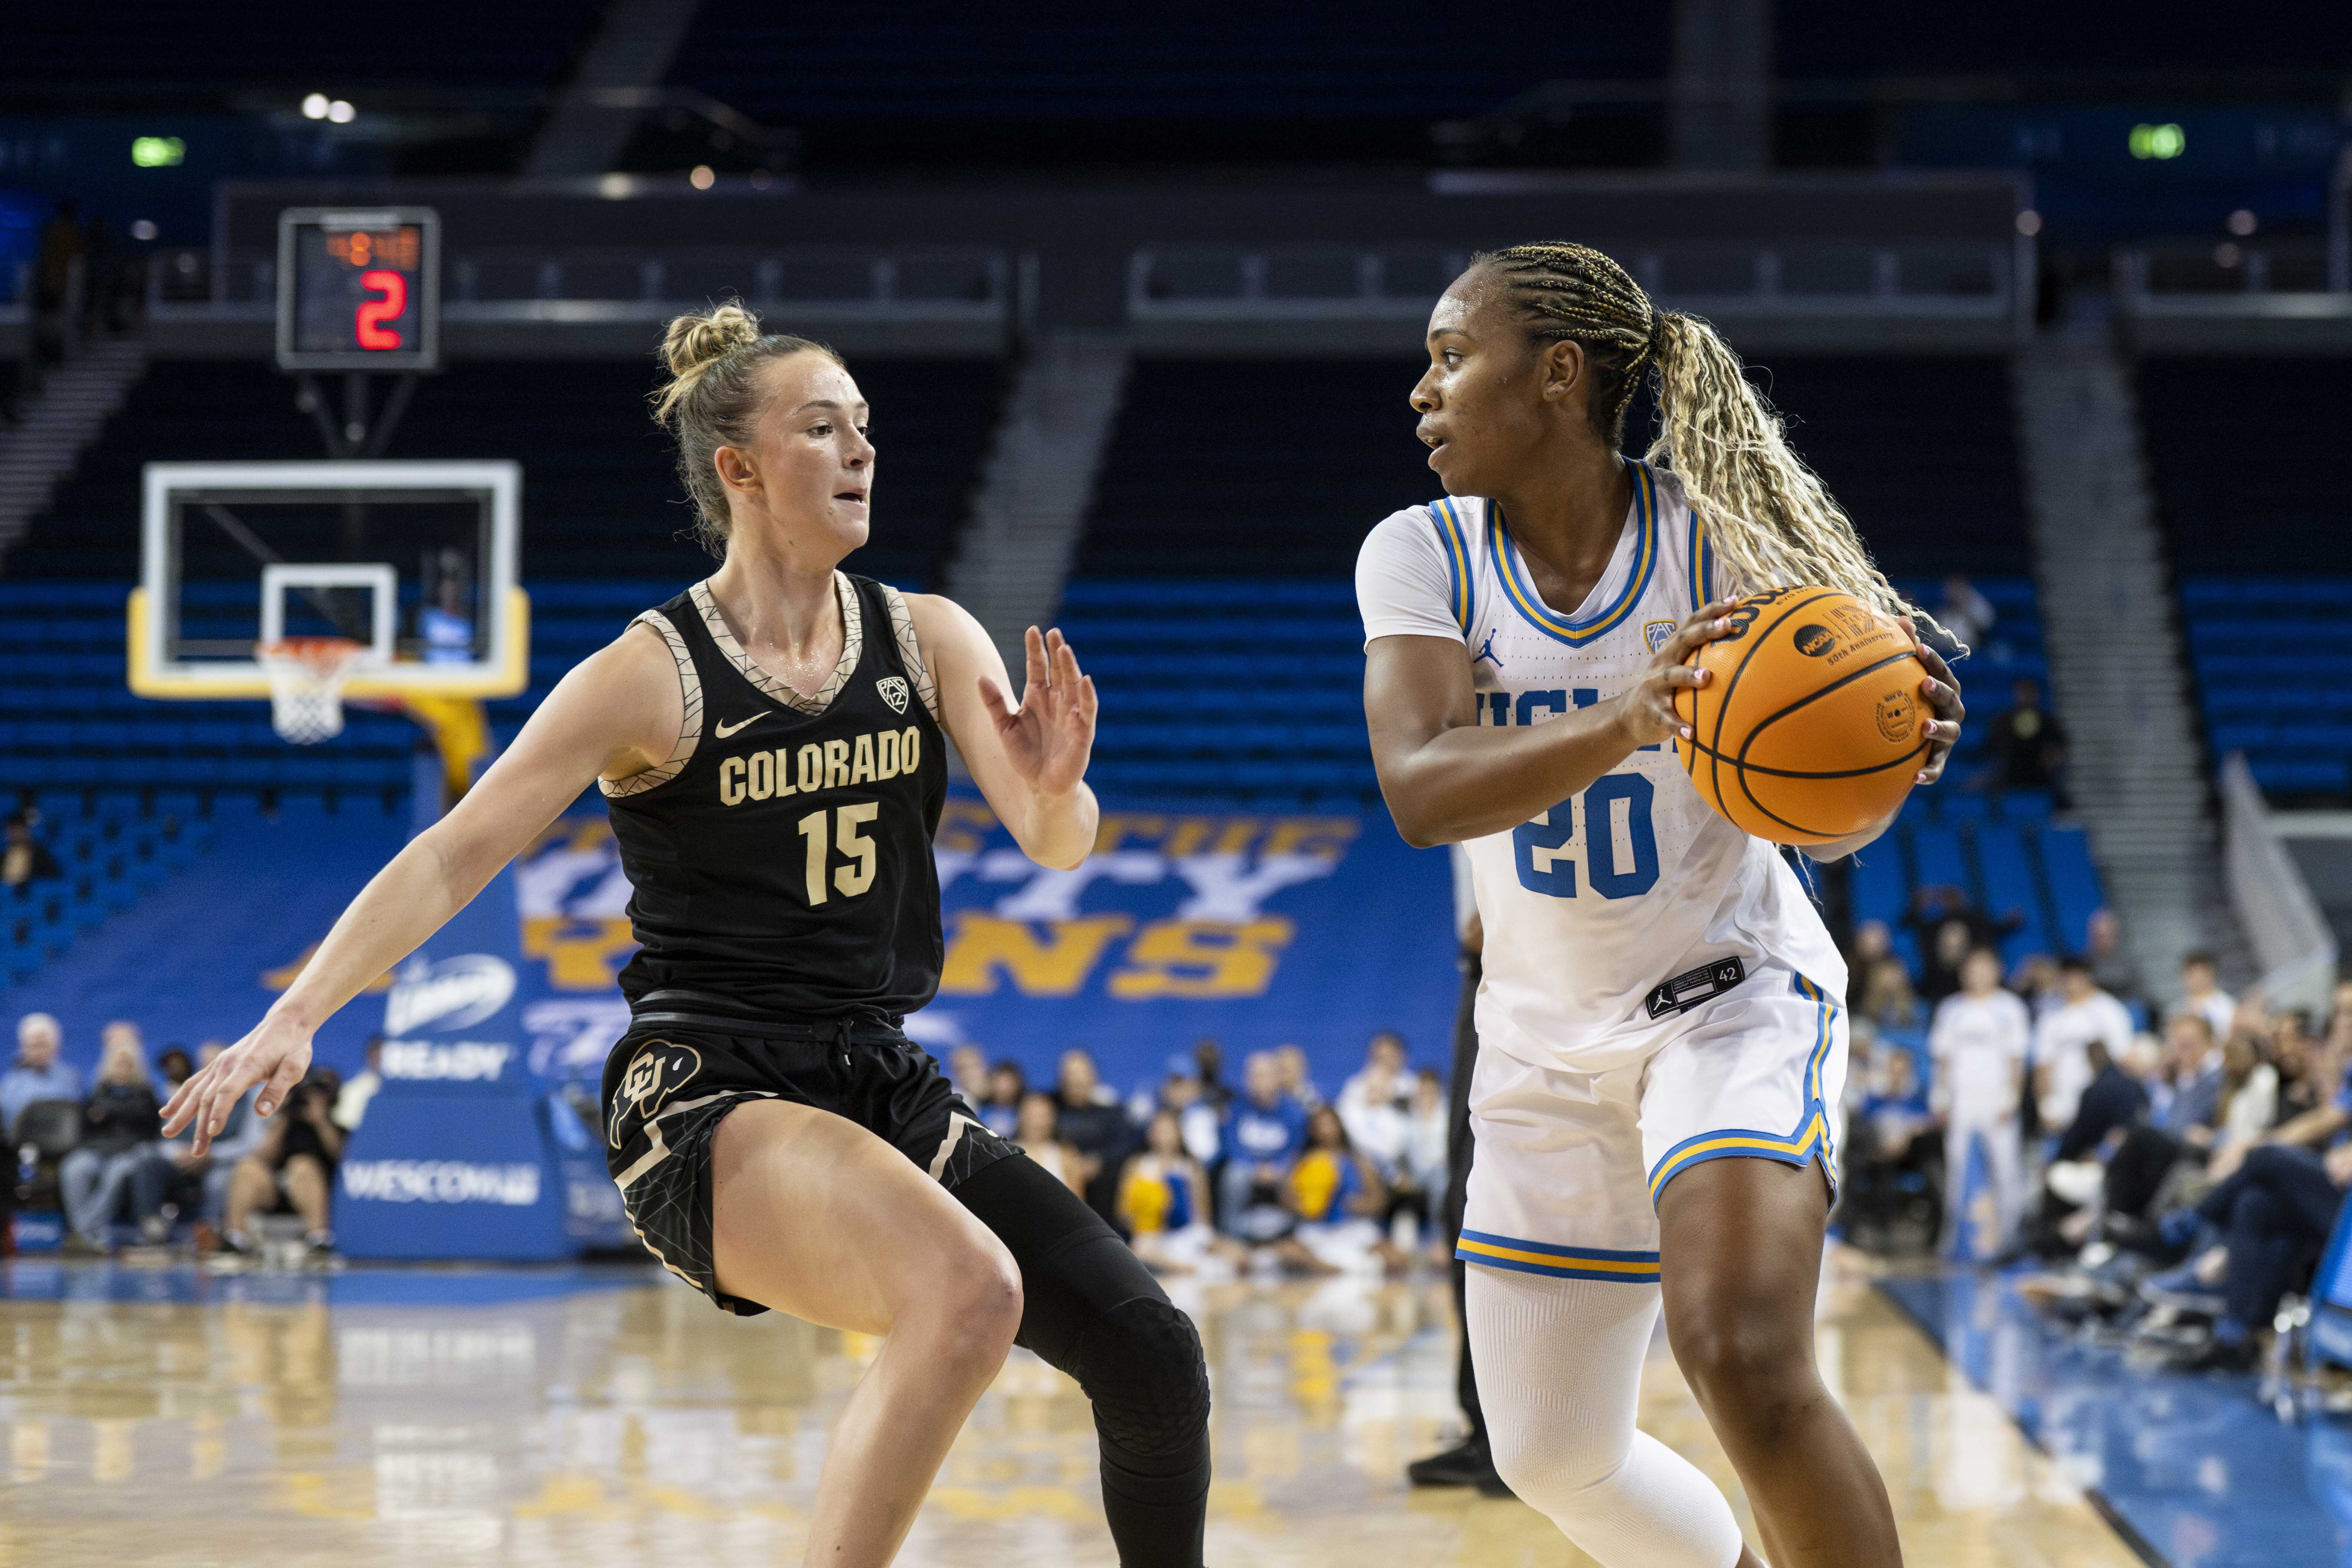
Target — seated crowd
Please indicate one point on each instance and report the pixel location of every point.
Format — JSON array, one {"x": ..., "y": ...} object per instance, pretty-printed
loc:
[
  {"x": 100, "y": 1159},
  {"x": 2188, "y": 1173},
  {"x": 1199, "y": 1173}
]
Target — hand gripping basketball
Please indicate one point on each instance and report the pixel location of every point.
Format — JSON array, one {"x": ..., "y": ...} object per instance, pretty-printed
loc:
[
  {"x": 1822, "y": 715},
  {"x": 1650, "y": 711}
]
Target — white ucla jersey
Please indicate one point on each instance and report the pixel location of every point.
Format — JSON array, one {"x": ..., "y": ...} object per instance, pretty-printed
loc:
[{"x": 1636, "y": 883}]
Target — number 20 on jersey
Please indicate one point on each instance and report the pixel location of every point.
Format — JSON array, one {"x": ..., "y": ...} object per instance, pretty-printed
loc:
[{"x": 1607, "y": 828}]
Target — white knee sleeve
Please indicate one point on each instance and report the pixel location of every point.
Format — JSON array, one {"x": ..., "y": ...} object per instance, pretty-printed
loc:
[{"x": 1560, "y": 1375}]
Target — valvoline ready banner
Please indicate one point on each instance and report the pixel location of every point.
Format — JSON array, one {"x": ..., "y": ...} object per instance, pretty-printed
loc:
[
  {"x": 1254, "y": 928},
  {"x": 465, "y": 1151}
]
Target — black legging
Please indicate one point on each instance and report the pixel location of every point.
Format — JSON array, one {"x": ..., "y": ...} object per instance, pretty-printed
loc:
[
  {"x": 2271, "y": 1210},
  {"x": 1091, "y": 1309}
]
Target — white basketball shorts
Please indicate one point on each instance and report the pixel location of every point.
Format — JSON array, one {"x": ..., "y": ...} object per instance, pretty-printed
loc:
[{"x": 1569, "y": 1165}]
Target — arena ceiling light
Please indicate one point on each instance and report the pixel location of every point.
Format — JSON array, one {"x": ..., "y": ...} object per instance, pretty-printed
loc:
[{"x": 315, "y": 107}]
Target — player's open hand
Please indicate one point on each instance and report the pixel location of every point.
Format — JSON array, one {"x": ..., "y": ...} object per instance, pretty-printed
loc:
[
  {"x": 275, "y": 1055},
  {"x": 1048, "y": 738},
  {"x": 1647, "y": 706},
  {"x": 1941, "y": 692}
]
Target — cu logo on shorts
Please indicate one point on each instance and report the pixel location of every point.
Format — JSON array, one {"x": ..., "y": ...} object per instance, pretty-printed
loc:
[{"x": 658, "y": 1069}]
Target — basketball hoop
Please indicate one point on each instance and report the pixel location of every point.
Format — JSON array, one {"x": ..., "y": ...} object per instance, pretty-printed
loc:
[{"x": 306, "y": 684}]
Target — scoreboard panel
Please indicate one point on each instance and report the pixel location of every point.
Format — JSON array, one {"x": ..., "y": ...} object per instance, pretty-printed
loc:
[{"x": 359, "y": 289}]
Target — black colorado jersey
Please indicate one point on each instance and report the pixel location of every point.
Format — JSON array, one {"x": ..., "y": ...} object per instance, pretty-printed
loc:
[{"x": 782, "y": 857}]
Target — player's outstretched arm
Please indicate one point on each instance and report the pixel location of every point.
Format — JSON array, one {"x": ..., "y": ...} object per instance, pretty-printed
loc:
[
  {"x": 618, "y": 713},
  {"x": 1447, "y": 778},
  {"x": 1030, "y": 761}
]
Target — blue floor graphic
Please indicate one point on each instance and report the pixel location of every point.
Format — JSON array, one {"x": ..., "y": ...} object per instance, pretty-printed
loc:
[
  {"x": 2203, "y": 1474},
  {"x": 59, "y": 1279}
]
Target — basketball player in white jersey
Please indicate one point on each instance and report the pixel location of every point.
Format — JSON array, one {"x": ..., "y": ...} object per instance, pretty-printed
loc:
[{"x": 1661, "y": 1024}]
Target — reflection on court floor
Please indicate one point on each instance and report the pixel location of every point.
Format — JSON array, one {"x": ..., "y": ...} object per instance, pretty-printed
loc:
[{"x": 585, "y": 1418}]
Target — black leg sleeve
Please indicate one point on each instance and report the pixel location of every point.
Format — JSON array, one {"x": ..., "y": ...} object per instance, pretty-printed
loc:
[{"x": 1094, "y": 1312}]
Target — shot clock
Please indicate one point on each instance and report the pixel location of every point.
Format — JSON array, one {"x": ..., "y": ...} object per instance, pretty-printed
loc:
[{"x": 359, "y": 289}]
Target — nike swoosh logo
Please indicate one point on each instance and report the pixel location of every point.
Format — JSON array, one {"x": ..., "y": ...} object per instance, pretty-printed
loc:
[{"x": 723, "y": 730}]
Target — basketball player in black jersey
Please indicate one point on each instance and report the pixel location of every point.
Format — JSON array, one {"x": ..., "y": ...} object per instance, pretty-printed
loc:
[{"x": 770, "y": 744}]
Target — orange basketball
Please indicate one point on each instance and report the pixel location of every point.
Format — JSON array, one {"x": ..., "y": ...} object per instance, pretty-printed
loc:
[{"x": 1812, "y": 727}]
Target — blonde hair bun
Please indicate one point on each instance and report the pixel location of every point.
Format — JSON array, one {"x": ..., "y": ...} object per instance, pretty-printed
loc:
[{"x": 693, "y": 341}]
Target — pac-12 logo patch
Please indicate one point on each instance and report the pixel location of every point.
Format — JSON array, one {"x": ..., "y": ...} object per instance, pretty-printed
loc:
[
  {"x": 1656, "y": 634},
  {"x": 658, "y": 1070},
  {"x": 893, "y": 689}
]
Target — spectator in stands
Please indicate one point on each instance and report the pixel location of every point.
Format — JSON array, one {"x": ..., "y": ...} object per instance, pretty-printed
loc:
[
  {"x": 2294, "y": 1056},
  {"x": 1888, "y": 1144},
  {"x": 1091, "y": 1121},
  {"x": 24, "y": 858},
  {"x": 1372, "y": 1104},
  {"x": 1181, "y": 1096},
  {"x": 2200, "y": 994},
  {"x": 2109, "y": 1108},
  {"x": 351, "y": 1102},
  {"x": 1887, "y": 999},
  {"x": 1966, "y": 613},
  {"x": 1296, "y": 1081},
  {"x": 2186, "y": 1105},
  {"x": 1038, "y": 1133},
  {"x": 37, "y": 1074},
  {"x": 2276, "y": 1203},
  {"x": 1264, "y": 1133},
  {"x": 1336, "y": 1196},
  {"x": 1422, "y": 1175},
  {"x": 119, "y": 1151},
  {"x": 175, "y": 1066},
  {"x": 1946, "y": 949},
  {"x": 1979, "y": 1041},
  {"x": 1210, "y": 1057},
  {"x": 292, "y": 1166},
  {"x": 2027, "y": 743},
  {"x": 2112, "y": 1102},
  {"x": 2036, "y": 981},
  {"x": 1000, "y": 1109},
  {"x": 2063, "y": 1065},
  {"x": 2111, "y": 963},
  {"x": 968, "y": 1073},
  {"x": 1163, "y": 1198}
]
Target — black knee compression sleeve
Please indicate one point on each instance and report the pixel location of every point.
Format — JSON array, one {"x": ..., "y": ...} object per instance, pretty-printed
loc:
[{"x": 1097, "y": 1313}]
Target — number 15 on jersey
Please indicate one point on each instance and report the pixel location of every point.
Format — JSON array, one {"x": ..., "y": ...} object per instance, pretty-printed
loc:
[{"x": 1607, "y": 828}]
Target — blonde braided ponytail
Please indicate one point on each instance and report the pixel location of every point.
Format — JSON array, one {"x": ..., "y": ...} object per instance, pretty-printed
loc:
[{"x": 1768, "y": 515}]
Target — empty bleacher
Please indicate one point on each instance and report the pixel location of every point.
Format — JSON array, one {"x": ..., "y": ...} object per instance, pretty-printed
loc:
[{"x": 2253, "y": 481}]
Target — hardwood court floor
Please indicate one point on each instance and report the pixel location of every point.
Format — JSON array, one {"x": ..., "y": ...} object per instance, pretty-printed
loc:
[{"x": 576, "y": 1419}]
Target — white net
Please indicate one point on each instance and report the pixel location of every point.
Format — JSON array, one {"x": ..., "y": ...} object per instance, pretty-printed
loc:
[{"x": 306, "y": 685}]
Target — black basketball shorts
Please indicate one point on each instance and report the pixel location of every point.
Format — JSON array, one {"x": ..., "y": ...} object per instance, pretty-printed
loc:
[{"x": 668, "y": 1083}]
